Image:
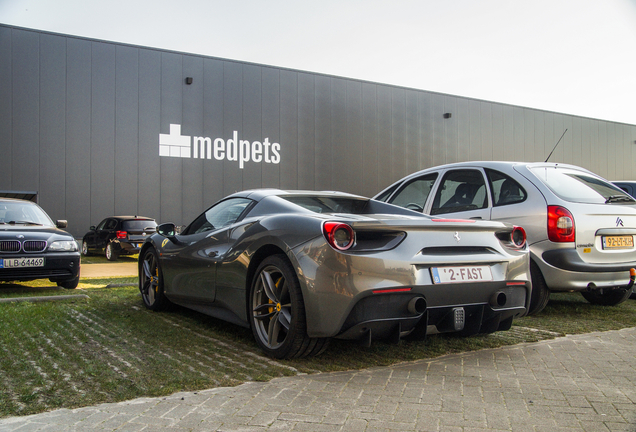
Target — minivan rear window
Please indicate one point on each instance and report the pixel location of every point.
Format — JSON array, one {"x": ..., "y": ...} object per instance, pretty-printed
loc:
[{"x": 578, "y": 186}]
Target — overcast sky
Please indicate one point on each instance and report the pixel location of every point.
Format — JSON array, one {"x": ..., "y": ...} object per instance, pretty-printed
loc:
[{"x": 571, "y": 56}]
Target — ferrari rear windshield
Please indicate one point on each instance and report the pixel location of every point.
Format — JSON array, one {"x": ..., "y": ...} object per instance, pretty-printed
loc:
[{"x": 319, "y": 204}]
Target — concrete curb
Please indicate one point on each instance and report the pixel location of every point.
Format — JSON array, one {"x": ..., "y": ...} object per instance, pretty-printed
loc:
[{"x": 44, "y": 298}]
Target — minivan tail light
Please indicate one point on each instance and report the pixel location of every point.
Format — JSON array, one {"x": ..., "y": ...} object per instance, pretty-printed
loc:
[
  {"x": 560, "y": 224},
  {"x": 121, "y": 234},
  {"x": 339, "y": 235}
]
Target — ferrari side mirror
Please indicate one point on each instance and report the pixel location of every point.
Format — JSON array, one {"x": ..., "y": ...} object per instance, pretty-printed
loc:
[{"x": 167, "y": 230}]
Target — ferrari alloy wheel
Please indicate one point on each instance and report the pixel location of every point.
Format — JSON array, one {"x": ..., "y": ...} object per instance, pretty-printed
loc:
[
  {"x": 278, "y": 312},
  {"x": 151, "y": 281},
  {"x": 85, "y": 248},
  {"x": 111, "y": 253},
  {"x": 607, "y": 297}
]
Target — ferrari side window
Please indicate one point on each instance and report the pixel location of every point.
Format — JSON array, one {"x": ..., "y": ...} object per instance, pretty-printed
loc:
[
  {"x": 222, "y": 214},
  {"x": 386, "y": 194},
  {"x": 414, "y": 194},
  {"x": 460, "y": 190}
]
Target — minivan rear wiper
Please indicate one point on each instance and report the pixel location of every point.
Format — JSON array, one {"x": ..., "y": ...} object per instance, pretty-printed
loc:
[{"x": 618, "y": 198}]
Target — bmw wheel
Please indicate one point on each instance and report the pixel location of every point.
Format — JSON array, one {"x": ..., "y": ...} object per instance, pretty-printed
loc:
[
  {"x": 278, "y": 312},
  {"x": 111, "y": 253},
  {"x": 151, "y": 281},
  {"x": 85, "y": 251}
]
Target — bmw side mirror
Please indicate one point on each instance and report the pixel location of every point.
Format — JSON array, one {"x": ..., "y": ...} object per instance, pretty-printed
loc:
[
  {"x": 92, "y": 228},
  {"x": 61, "y": 223}
]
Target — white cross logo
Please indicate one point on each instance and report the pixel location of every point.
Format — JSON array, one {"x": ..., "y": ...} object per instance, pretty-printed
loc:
[{"x": 174, "y": 144}]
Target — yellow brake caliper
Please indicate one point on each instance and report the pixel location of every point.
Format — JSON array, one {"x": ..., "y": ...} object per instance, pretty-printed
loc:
[
  {"x": 155, "y": 278},
  {"x": 278, "y": 306}
]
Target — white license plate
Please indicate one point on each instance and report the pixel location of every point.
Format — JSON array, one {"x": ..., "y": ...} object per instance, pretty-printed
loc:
[
  {"x": 22, "y": 262},
  {"x": 458, "y": 274}
]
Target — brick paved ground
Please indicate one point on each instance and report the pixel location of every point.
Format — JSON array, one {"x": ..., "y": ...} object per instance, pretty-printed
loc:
[{"x": 576, "y": 383}]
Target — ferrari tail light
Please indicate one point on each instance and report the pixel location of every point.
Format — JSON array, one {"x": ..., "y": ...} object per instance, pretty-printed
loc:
[
  {"x": 339, "y": 235},
  {"x": 518, "y": 237},
  {"x": 560, "y": 224},
  {"x": 513, "y": 239},
  {"x": 121, "y": 234}
]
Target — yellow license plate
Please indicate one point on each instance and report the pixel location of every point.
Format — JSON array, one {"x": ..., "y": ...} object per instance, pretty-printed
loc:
[{"x": 618, "y": 242}]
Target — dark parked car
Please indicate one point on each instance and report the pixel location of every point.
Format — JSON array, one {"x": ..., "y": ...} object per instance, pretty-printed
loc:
[
  {"x": 33, "y": 247},
  {"x": 299, "y": 268},
  {"x": 118, "y": 235},
  {"x": 627, "y": 185},
  {"x": 580, "y": 227}
]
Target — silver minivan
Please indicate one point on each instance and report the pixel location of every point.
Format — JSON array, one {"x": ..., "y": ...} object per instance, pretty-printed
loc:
[{"x": 580, "y": 227}]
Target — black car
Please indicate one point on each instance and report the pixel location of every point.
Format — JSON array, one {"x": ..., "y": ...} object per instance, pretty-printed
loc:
[
  {"x": 118, "y": 235},
  {"x": 628, "y": 186},
  {"x": 33, "y": 247}
]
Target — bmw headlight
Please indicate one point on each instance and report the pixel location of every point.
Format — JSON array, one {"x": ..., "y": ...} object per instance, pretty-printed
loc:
[{"x": 63, "y": 246}]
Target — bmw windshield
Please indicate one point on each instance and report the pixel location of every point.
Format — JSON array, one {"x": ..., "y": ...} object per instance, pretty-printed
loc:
[{"x": 21, "y": 213}]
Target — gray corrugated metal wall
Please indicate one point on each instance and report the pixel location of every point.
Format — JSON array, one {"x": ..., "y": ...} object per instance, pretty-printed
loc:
[{"x": 80, "y": 123}]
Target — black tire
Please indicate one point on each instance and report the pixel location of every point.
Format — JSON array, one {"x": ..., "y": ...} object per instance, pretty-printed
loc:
[
  {"x": 277, "y": 312},
  {"x": 85, "y": 251},
  {"x": 111, "y": 253},
  {"x": 608, "y": 297},
  {"x": 540, "y": 291},
  {"x": 151, "y": 281},
  {"x": 70, "y": 283}
]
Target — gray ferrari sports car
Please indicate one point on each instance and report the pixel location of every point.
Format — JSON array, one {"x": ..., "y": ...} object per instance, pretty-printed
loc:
[{"x": 299, "y": 268}]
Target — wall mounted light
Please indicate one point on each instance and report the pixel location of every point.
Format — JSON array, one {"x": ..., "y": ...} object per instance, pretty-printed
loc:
[
  {"x": 188, "y": 80},
  {"x": 447, "y": 115}
]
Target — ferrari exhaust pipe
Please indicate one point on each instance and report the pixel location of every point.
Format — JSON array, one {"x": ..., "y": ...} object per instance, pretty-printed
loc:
[
  {"x": 498, "y": 299},
  {"x": 417, "y": 305}
]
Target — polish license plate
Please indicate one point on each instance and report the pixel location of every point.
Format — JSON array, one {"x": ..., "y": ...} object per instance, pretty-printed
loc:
[
  {"x": 457, "y": 274},
  {"x": 22, "y": 262},
  {"x": 618, "y": 242}
]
